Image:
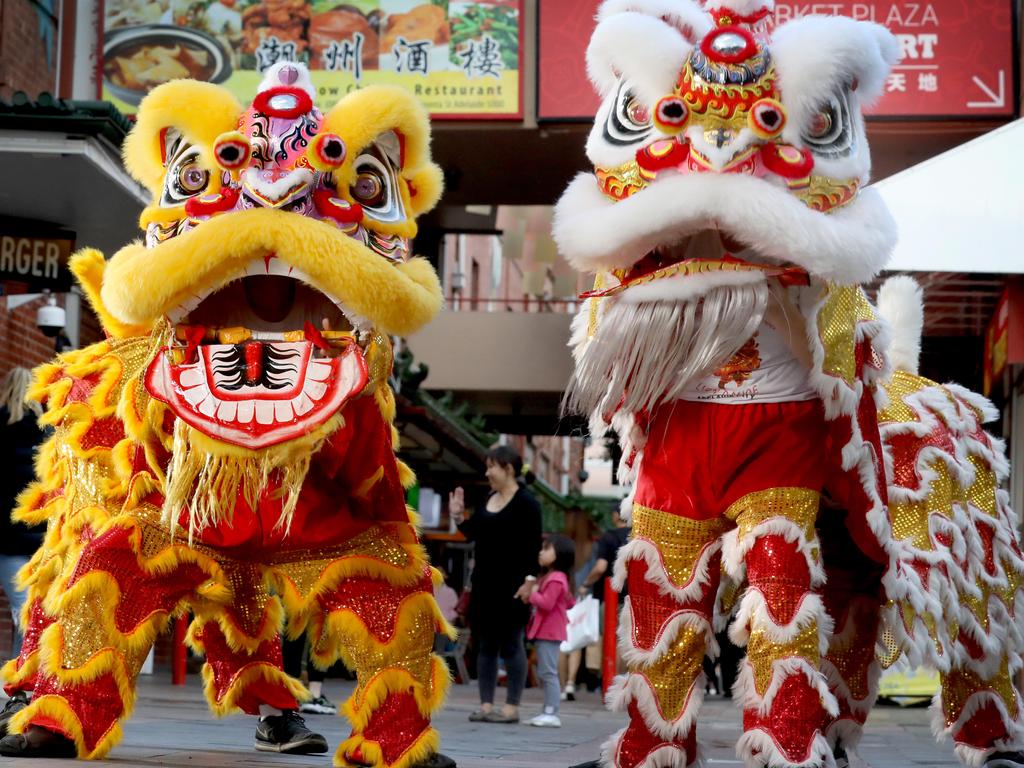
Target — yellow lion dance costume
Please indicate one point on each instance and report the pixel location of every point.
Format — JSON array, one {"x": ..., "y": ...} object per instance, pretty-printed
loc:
[{"x": 229, "y": 449}]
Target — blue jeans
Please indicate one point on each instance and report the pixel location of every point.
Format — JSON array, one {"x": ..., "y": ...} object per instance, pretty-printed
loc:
[
  {"x": 547, "y": 670},
  {"x": 9, "y": 567}
]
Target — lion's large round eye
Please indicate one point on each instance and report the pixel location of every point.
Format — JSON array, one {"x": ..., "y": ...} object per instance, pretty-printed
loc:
[
  {"x": 369, "y": 189},
  {"x": 829, "y": 132},
  {"x": 820, "y": 125},
  {"x": 191, "y": 179}
]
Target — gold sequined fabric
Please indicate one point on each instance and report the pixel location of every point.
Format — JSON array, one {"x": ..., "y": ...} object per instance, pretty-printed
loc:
[
  {"x": 959, "y": 684},
  {"x": 844, "y": 309},
  {"x": 673, "y": 675},
  {"x": 679, "y": 540},
  {"x": 797, "y": 505},
  {"x": 762, "y": 652},
  {"x": 369, "y": 659}
]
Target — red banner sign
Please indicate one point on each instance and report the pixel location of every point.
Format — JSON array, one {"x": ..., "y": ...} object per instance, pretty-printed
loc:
[{"x": 956, "y": 56}]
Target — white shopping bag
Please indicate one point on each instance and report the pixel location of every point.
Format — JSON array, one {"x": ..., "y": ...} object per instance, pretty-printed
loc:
[{"x": 584, "y": 625}]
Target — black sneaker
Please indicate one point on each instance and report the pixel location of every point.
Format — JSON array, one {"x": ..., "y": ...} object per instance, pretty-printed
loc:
[
  {"x": 436, "y": 760},
  {"x": 37, "y": 742},
  {"x": 287, "y": 732},
  {"x": 842, "y": 759},
  {"x": 321, "y": 705},
  {"x": 1005, "y": 760},
  {"x": 14, "y": 705},
  {"x": 588, "y": 764}
]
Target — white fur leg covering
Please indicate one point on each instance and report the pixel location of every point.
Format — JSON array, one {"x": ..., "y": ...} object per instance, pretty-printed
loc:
[
  {"x": 972, "y": 755},
  {"x": 758, "y": 750},
  {"x": 665, "y": 756}
]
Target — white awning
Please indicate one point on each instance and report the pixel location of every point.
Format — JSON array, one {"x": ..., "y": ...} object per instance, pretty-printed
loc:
[{"x": 963, "y": 210}]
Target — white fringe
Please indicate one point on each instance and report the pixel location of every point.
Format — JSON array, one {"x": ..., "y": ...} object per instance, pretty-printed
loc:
[
  {"x": 758, "y": 750},
  {"x": 735, "y": 551},
  {"x": 744, "y": 690},
  {"x": 971, "y": 755},
  {"x": 635, "y": 687},
  {"x": 754, "y": 614},
  {"x": 647, "y": 550},
  {"x": 665, "y": 756},
  {"x": 635, "y": 656}
]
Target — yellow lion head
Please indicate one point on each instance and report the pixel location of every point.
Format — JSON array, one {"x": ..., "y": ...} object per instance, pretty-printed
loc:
[{"x": 277, "y": 246}]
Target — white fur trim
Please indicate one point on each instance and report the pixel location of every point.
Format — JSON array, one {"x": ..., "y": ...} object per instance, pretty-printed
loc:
[
  {"x": 848, "y": 245},
  {"x": 735, "y": 551},
  {"x": 1014, "y": 728},
  {"x": 666, "y": 756},
  {"x": 840, "y": 689},
  {"x": 685, "y": 15},
  {"x": 754, "y": 615},
  {"x": 641, "y": 658},
  {"x": 639, "y": 48},
  {"x": 647, "y": 550},
  {"x": 758, "y": 750},
  {"x": 817, "y": 55},
  {"x": 901, "y": 303},
  {"x": 635, "y": 687},
  {"x": 741, "y": 7},
  {"x": 745, "y": 691}
]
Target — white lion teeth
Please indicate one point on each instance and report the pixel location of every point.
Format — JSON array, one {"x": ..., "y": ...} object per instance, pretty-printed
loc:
[
  {"x": 303, "y": 405},
  {"x": 196, "y": 395},
  {"x": 319, "y": 371},
  {"x": 315, "y": 389},
  {"x": 208, "y": 407},
  {"x": 227, "y": 410},
  {"x": 283, "y": 411},
  {"x": 264, "y": 412},
  {"x": 246, "y": 410},
  {"x": 192, "y": 377}
]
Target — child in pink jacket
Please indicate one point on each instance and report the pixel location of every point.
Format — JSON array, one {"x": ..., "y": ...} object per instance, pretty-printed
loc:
[{"x": 552, "y": 597}]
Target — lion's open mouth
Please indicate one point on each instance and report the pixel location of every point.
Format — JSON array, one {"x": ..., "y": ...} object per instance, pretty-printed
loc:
[
  {"x": 265, "y": 359},
  {"x": 702, "y": 253}
]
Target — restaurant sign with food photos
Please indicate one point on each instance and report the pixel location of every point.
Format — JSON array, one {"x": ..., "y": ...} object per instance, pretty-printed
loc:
[{"x": 462, "y": 58}]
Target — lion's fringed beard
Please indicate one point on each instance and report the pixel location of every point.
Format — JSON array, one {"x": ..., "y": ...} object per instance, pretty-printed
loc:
[
  {"x": 206, "y": 477},
  {"x": 645, "y": 353}
]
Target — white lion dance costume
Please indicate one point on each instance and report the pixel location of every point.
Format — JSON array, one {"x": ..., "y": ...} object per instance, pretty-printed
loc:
[
  {"x": 774, "y": 427},
  {"x": 229, "y": 450}
]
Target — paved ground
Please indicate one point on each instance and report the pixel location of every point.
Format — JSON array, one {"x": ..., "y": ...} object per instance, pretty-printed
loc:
[{"x": 172, "y": 727}]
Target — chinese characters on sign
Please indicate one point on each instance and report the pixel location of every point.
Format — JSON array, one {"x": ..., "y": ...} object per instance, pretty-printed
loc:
[
  {"x": 956, "y": 57},
  {"x": 461, "y": 57}
]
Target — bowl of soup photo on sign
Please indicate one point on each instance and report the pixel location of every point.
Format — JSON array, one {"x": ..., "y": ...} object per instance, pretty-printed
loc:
[{"x": 137, "y": 59}]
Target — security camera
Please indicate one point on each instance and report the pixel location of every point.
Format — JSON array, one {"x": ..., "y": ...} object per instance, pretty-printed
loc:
[{"x": 50, "y": 318}]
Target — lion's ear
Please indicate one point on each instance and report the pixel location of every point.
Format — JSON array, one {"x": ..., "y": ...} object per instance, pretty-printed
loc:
[
  {"x": 395, "y": 123},
  {"x": 198, "y": 112}
]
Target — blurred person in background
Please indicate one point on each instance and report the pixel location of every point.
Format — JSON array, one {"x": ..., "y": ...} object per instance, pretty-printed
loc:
[{"x": 506, "y": 532}]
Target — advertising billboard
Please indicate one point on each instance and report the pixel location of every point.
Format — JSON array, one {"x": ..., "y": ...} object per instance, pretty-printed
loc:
[{"x": 462, "y": 58}]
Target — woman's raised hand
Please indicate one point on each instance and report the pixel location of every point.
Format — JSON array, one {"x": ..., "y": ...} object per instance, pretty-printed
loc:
[{"x": 457, "y": 505}]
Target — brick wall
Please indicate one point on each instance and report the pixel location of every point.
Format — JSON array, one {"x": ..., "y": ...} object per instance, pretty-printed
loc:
[
  {"x": 28, "y": 47},
  {"x": 21, "y": 342}
]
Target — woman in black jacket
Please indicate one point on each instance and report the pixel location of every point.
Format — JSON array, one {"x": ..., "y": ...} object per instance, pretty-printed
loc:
[{"x": 507, "y": 535}]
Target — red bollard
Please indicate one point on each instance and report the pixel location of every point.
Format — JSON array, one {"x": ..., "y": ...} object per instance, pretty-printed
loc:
[
  {"x": 609, "y": 657},
  {"x": 178, "y": 652}
]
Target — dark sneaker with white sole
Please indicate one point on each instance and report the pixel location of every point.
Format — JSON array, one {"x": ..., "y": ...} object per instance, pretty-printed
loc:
[
  {"x": 321, "y": 705},
  {"x": 288, "y": 733},
  {"x": 37, "y": 742},
  {"x": 1005, "y": 760},
  {"x": 842, "y": 759},
  {"x": 13, "y": 706}
]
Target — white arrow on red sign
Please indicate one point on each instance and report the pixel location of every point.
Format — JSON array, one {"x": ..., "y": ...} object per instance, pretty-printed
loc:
[{"x": 996, "y": 100}]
